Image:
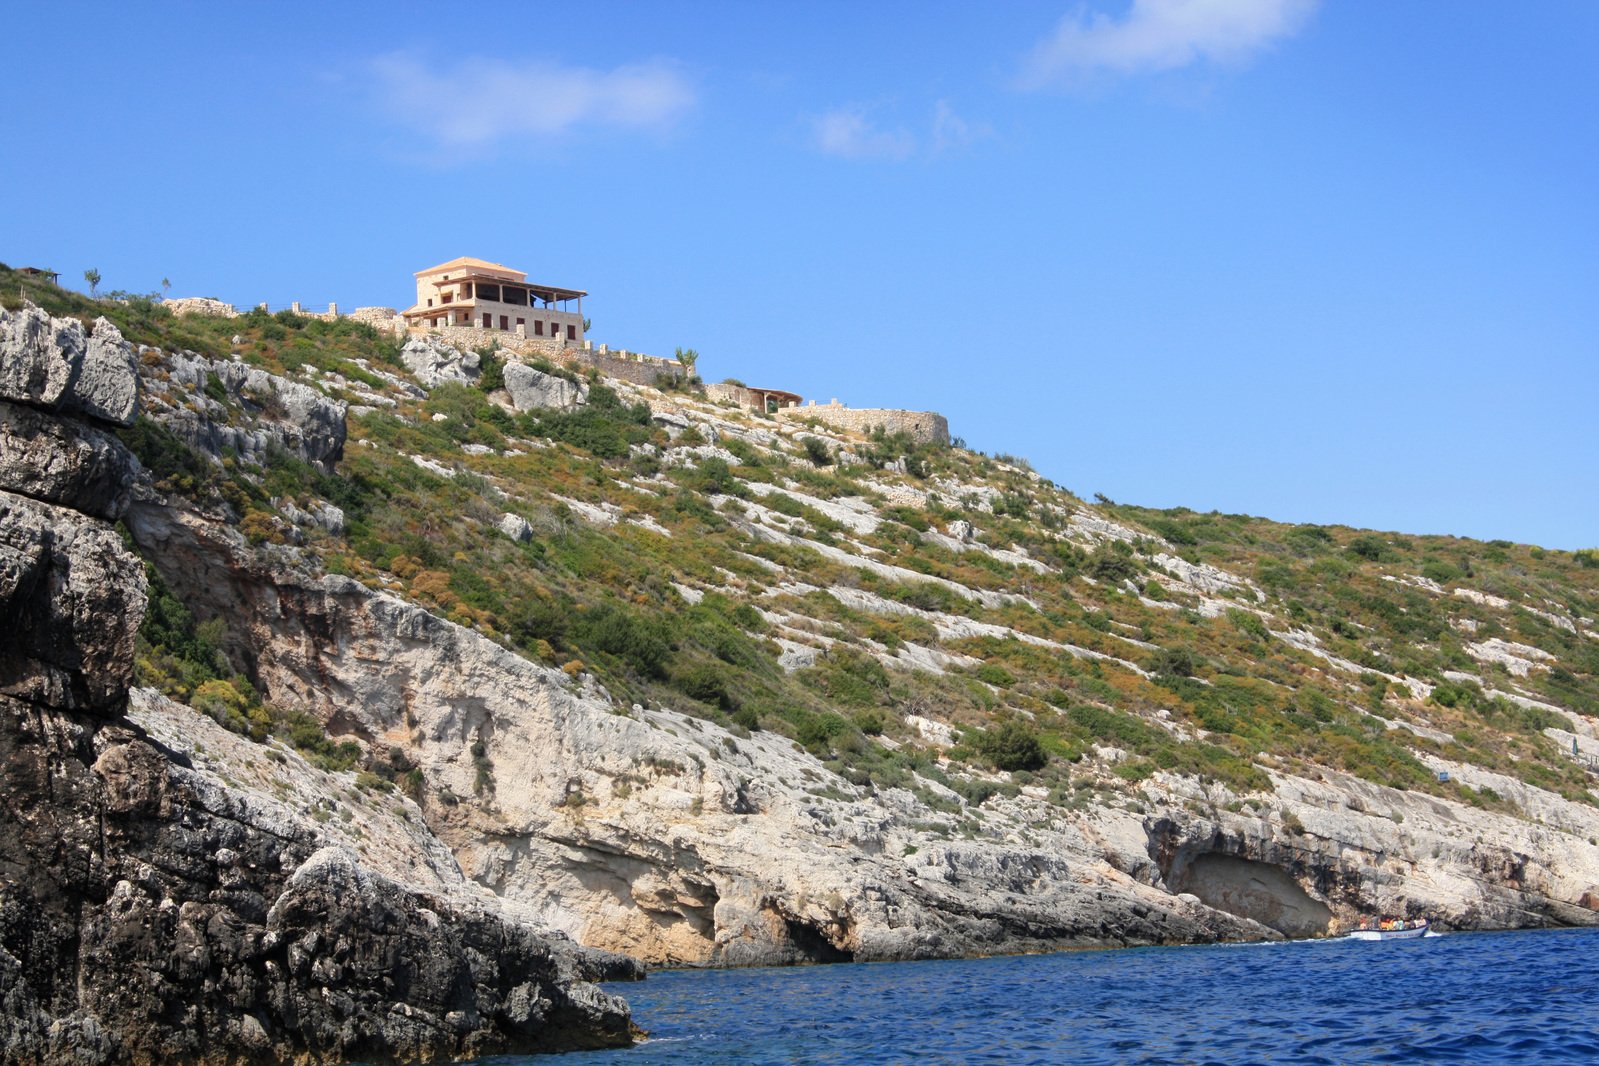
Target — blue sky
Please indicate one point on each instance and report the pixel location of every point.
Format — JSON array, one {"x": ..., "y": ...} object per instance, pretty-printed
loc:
[{"x": 1328, "y": 262}]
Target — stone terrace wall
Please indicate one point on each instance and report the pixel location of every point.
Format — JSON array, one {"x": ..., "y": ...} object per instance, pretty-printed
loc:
[
  {"x": 470, "y": 338},
  {"x": 927, "y": 426}
]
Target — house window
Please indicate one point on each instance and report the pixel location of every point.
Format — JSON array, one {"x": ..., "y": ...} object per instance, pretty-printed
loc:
[
  {"x": 505, "y": 322},
  {"x": 521, "y": 322},
  {"x": 538, "y": 329},
  {"x": 488, "y": 320},
  {"x": 430, "y": 303},
  {"x": 571, "y": 333},
  {"x": 466, "y": 290}
]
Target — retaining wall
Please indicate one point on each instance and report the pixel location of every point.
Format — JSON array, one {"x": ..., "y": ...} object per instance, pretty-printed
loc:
[{"x": 926, "y": 426}]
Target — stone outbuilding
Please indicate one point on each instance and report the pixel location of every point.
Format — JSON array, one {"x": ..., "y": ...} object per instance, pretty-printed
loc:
[
  {"x": 766, "y": 401},
  {"x": 493, "y": 296}
]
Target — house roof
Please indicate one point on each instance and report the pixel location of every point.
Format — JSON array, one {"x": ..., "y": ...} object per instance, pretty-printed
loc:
[{"x": 466, "y": 262}]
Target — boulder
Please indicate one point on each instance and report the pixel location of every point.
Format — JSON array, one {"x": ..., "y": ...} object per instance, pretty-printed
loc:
[
  {"x": 516, "y": 527},
  {"x": 63, "y": 461},
  {"x": 531, "y": 389},
  {"x": 71, "y": 598},
  {"x": 432, "y": 362},
  {"x": 50, "y": 362}
]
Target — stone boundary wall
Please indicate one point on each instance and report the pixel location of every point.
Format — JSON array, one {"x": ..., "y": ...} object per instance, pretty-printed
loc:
[
  {"x": 640, "y": 370},
  {"x": 386, "y": 318},
  {"x": 201, "y": 305},
  {"x": 925, "y": 426}
]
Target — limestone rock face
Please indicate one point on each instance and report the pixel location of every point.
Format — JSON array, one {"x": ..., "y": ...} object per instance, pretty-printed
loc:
[
  {"x": 690, "y": 844},
  {"x": 530, "y": 389},
  {"x": 51, "y": 363},
  {"x": 433, "y": 362},
  {"x": 63, "y": 462},
  {"x": 71, "y": 597},
  {"x": 268, "y": 412},
  {"x": 701, "y": 847}
]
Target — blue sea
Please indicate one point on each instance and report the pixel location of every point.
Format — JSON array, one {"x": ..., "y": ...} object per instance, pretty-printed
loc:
[{"x": 1528, "y": 997}]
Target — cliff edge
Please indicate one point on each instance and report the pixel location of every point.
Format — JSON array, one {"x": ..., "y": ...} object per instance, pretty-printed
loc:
[{"x": 149, "y": 911}]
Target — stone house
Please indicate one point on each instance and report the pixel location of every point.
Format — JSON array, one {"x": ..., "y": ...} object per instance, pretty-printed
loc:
[{"x": 492, "y": 296}]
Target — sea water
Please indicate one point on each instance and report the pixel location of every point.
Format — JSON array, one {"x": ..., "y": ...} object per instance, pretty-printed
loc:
[{"x": 1527, "y": 997}]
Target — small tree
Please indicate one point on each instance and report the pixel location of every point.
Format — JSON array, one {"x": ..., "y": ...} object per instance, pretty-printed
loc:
[
  {"x": 688, "y": 357},
  {"x": 166, "y": 287},
  {"x": 92, "y": 276}
]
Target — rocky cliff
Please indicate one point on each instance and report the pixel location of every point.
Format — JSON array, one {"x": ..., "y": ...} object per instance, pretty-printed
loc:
[
  {"x": 645, "y": 825},
  {"x": 151, "y": 910},
  {"x": 702, "y": 687}
]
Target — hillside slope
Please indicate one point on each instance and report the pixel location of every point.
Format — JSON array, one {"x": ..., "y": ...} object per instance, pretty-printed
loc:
[{"x": 704, "y": 687}]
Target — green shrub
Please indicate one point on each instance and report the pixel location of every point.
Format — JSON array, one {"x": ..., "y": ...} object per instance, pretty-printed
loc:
[
  {"x": 642, "y": 643},
  {"x": 996, "y": 675},
  {"x": 817, "y": 451},
  {"x": 1174, "y": 662},
  {"x": 1012, "y": 746},
  {"x": 708, "y": 683},
  {"x": 1369, "y": 547}
]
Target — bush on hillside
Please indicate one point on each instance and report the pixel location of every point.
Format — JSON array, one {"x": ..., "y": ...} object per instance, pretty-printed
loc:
[{"x": 1012, "y": 746}]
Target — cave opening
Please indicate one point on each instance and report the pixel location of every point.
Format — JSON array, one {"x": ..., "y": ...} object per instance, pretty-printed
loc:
[
  {"x": 1260, "y": 891},
  {"x": 811, "y": 946}
]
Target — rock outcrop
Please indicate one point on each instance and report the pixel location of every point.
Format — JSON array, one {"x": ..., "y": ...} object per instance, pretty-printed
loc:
[
  {"x": 56, "y": 460},
  {"x": 247, "y": 411},
  {"x": 71, "y": 597},
  {"x": 153, "y": 913},
  {"x": 53, "y": 363},
  {"x": 432, "y": 362},
  {"x": 531, "y": 389}
]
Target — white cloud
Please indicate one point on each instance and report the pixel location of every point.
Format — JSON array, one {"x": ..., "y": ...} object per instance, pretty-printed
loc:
[
  {"x": 848, "y": 133},
  {"x": 1158, "y": 35},
  {"x": 951, "y": 132},
  {"x": 482, "y": 102}
]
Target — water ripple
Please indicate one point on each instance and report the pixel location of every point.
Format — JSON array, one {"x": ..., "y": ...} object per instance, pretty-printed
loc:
[{"x": 1503, "y": 998}]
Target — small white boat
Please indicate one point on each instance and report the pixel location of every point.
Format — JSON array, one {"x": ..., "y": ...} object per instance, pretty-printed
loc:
[{"x": 1392, "y": 931}]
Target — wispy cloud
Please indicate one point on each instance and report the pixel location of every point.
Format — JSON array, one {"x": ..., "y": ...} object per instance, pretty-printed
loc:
[
  {"x": 480, "y": 103},
  {"x": 951, "y": 132},
  {"x": 847, "y": 132},
  {"x": 1160, "y": 35},
  {"x": 851, "y": 133}
]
